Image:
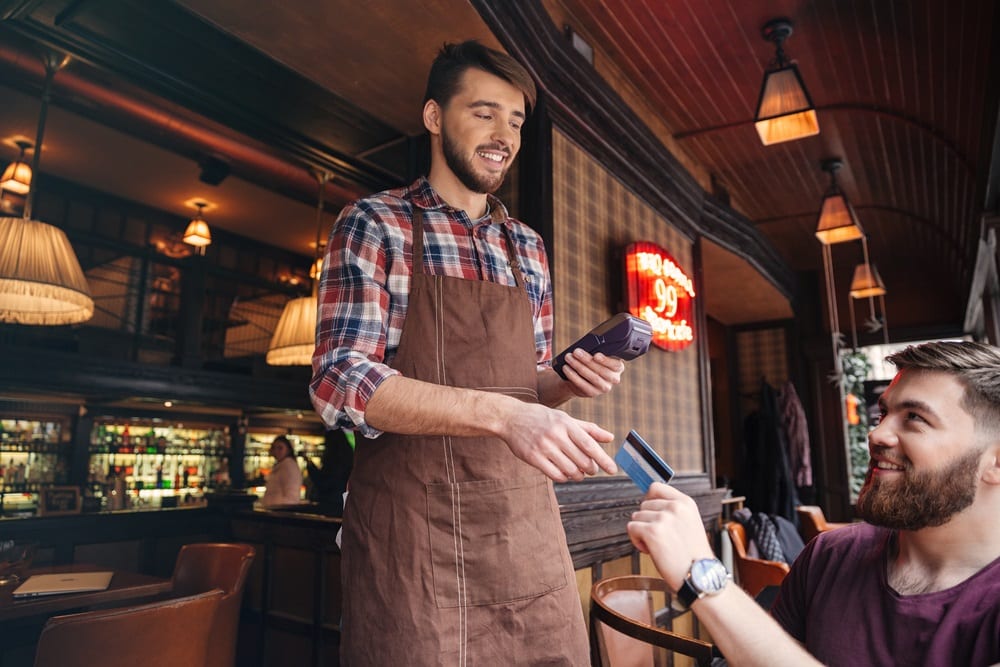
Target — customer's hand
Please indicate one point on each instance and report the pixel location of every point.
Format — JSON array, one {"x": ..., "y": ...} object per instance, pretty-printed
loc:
[{"x": 669, "y": 528}]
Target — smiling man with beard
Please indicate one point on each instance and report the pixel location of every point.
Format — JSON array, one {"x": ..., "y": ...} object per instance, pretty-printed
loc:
[
  {"x": 434, "y": 342},
  {"x": 916, "y": 583}
]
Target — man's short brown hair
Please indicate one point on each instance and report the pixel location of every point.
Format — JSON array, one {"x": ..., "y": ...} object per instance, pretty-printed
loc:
[
  {"x": 454, "y": 59},
  {"x": 975, "y": 365}
]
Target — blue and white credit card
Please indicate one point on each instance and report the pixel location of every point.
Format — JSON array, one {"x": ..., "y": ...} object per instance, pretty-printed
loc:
[{"x": 641, "y": 463}]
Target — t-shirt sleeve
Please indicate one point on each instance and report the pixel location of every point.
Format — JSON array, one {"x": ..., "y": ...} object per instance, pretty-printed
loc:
[{"x": 789, "y": 608}]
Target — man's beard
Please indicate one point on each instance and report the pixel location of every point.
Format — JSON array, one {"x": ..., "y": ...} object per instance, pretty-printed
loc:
[
  {"x": 463, "y": 169},
  {"x": 920, "y": 499}
]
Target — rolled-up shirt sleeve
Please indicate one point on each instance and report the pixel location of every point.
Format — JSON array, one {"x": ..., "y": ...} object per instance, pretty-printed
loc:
[{"x": 352, "y": 321}]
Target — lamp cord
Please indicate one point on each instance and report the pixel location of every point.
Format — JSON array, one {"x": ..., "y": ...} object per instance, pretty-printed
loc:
[
  {"x": 322, "y": 177},
  {"x": 51, "y": 65}
]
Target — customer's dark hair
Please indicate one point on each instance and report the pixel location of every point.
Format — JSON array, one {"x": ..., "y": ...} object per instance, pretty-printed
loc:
[
  {"x": 975, "y": 365},
  {"x": 288, "y": 443},
  {"x": 454, "y": 59}
]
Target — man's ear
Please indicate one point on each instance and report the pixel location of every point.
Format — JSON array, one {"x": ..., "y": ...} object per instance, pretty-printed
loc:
[
  {"x": 432, "y": 117},
  {"x": 991, "y": 471}
]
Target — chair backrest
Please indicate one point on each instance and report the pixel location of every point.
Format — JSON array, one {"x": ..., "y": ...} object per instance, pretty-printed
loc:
[
  {"x": 812, "y": 521},
  {"x": 753, "y": 574},
  {"x": 624, "y": 619},
  {"x": 171, "y": 632},
  {"x": 203, "y": 567}
]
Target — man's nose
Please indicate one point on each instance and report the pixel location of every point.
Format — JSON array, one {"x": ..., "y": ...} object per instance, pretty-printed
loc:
[
  {"x": 504, "y": 134},
  {"x": 882, "y": 434}
]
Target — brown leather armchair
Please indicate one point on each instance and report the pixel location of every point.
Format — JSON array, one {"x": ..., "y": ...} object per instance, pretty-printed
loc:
[
  {"x": 753, "y": 574},
  {"x": 203, "y": 567},
  {"x": 629, "y": 616},
  {"x": 170, "y": 632},
  {"x": 812, "y": 521}
]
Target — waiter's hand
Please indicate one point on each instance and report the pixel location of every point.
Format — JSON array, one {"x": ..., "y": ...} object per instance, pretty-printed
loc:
[
  {"x": 669, "y": 528},
  {"x": 562, "y": 447},
  {"x": 592, "y": 374}
]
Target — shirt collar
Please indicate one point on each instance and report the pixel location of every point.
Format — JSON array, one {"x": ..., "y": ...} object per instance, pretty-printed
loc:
[{"x": 422, "y": 194}]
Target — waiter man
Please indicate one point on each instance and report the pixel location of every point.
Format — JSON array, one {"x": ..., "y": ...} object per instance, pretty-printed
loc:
[{"x": 434, "y": 342}]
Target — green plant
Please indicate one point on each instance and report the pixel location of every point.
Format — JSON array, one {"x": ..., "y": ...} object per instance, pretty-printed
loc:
[{"x": 856, "y": 369}]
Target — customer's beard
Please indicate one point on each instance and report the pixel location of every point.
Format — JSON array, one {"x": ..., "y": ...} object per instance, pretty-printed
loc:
[
  {"x": 920, "y": 499},
  {"x": 462, "y": 168}
]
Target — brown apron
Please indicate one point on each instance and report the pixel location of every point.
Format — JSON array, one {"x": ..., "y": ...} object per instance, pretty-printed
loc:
[{"x": 453, "y": 549}]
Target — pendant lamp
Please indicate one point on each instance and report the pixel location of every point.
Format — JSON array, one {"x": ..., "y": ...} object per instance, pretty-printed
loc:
[
  {"x": 837, "y": 221},
  {"x": 294, "y": 338},
  {"x": 197, "y": 233},
  {"x": 867, "y": 284},
  {"x": 41, "y": 282},
  {"x": 17, "y": 176},
  {"x": 785, "y": 111}
]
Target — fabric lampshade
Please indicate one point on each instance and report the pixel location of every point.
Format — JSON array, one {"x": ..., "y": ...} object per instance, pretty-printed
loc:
[
  {"x": 867, "y": 282},
  {"x": 294, "y": 338},
  {"x": 197, "y": 233},
  {"x": 784, "y": 111},
  {"x": 17, "y": 177},
  {"x": 41, "y": 282},
  {"x": 837, "y": 221}
]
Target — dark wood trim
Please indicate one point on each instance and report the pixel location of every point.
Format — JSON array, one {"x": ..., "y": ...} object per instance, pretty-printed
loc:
[
  {"x": 59, "y": 372},
  {"x": 535, "y": 171},
  {"x": 161, "y": 47},
  {"x": 59, "y": 537},
  {"x": 736, "y": 234},
  {"x": 704, "y": 371},
  {"x": 596, "y": 511}
]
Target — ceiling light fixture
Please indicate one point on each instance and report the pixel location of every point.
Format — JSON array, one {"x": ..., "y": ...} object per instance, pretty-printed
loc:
[
  {"x": 41, "y": 282},
  {"x": 867, "y": 284},
  {"x": 785, "y": 111},
  {"x": 17, "y": 176},
  {"x": 837, "y": 221},
  {"x": 837, "y": 224},
  {"x": 197, "y": 233},
  {"x": 294, "y": 338}
]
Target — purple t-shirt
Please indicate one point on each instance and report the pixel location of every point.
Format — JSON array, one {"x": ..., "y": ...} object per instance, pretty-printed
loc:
[{"x": 837, "y": 602}]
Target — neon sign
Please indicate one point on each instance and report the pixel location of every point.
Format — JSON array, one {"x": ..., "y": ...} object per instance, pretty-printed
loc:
[{"x": 660, "y": 292}]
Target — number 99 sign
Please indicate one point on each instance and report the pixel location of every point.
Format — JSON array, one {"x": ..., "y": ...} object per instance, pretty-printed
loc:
[{"x": 660, "y": 292}]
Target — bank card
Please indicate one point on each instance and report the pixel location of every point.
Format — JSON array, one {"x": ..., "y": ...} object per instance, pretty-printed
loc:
[{"x": 641, "y": 463}]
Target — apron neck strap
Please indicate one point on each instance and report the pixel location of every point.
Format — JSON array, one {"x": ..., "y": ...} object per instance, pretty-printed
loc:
[{"x": 418, "y": 248}]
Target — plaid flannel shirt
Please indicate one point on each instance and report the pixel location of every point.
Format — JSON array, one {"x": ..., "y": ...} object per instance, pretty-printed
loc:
[{"x": 364, "y": 288}]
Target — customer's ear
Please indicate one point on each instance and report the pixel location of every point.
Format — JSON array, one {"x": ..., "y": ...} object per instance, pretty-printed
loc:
[{"x": 991, "y": 471}]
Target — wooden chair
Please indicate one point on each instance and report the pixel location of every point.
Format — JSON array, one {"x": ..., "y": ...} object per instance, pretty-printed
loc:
[
  {"x": 627, "y": 615},
  {"x": 203, "y": 567},
  {"x": 812, "y": 521},
  {"x": 166, "y": 633},
  {"x": 753, "y": 574}
]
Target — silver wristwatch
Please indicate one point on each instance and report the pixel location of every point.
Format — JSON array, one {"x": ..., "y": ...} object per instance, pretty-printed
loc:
[{"x": 707, "y": 576}]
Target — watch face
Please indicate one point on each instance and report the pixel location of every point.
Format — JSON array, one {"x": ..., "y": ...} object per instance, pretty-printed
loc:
[{"x": 709, "y": 575}]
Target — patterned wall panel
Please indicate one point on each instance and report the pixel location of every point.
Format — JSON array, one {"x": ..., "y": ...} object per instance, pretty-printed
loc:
[
  {"x": 761, "y": 354},
  {"x": 595, "y": 217}
]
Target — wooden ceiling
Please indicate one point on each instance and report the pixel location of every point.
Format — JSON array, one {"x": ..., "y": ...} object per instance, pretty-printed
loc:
[{"x": 906, "y": 94}]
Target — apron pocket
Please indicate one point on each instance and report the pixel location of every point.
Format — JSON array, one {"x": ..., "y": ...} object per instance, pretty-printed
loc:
[{"x": 494, "y": 541}]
